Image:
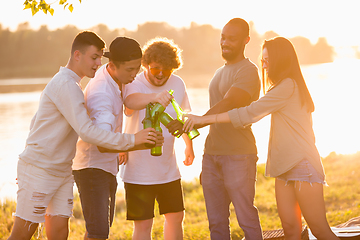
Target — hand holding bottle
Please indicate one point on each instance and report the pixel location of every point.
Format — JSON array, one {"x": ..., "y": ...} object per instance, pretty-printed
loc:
[
  {"x": 175, "y": 127},
  {"x": 163, "y": 98},
  {"x": 190, "y": 121},
  {"x": 150, "y": 137}
]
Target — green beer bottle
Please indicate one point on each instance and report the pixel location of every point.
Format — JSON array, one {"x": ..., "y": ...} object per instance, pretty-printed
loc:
[
  {"x": 148, "y": 123},
  {"x": 179, "y": 112},
  {"x": 165, "y": 119},
  {"x": 158, "y": 107},
  {"x": 156, "y": 151}
]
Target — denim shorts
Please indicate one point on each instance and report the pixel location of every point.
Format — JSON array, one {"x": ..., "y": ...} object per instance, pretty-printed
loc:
[
  {"x": 97, "y": 190},
  {"x": 303, "y": 172},
  {"x": 140, "y": 199},
  {"x": 41, "y": 193}
]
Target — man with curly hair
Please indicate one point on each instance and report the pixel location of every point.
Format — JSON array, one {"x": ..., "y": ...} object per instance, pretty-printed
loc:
[{"x": 148, "y": 177}]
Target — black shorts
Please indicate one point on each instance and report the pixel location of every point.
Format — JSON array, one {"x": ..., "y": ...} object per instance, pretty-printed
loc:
[
  {"x": 140, "y": 199},
  {"x": 97, "y": 190}
]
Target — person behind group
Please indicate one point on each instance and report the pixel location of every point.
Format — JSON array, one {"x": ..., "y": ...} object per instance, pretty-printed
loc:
[
  {"x": 293, "y": 159},
  {"x": 44, "y": 175},
  {"x": 230, "y": 155},
  {"x": 95, "y": 168},
  {"x": 148, "y": 177}
]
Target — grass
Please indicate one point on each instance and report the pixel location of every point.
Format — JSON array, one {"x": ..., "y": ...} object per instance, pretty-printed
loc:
[{"x": 341, "y": 197}]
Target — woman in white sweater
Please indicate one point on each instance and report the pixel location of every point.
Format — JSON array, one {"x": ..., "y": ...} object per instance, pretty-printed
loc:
[{"x": 293, "y": 159}]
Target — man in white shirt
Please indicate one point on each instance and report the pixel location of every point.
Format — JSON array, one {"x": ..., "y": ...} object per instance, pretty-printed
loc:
[
  {"x": 45, "y": 179},
  {"x": 148, "y": 178},
  {"x": 95, "y": 171}
]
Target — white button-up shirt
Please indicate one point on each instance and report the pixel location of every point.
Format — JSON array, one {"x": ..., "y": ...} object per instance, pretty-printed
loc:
[{"x": 104, "y": 105}]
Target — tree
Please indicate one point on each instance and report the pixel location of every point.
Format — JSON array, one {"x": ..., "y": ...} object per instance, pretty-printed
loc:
[{"x": 35, "y": 6}]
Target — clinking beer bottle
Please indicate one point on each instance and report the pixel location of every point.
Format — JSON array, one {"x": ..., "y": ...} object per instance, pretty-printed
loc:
[
  {"x": 156, "y": 151},
  {"x": 148, "y": 123},
  {"x": 165, "y": 119},
  {"x": 158, "y": 107},
  {"x": 179, "y": 112}
]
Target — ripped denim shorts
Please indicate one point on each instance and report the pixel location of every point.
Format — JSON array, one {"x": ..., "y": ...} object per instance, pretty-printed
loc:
[
  {"x": 42, "y": 194},
  {"x": 303, "y": 172}
]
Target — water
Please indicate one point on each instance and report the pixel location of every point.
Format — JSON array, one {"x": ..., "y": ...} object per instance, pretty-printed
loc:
[{"x": 334, "y": 88}]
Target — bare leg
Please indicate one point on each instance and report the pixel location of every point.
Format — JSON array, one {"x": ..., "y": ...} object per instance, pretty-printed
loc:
[
  {"x": 57, "y": 227},
  {"x": 311, "y": 201},
  {"x": 289, "y": 210},
  {"x": 173, "y": 229},
  {"x": 142, "y": 229},
  {"x": 22, "y": 230}
]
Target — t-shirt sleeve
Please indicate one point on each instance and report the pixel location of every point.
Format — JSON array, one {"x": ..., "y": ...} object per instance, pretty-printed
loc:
[
  {"x": 131, "y": 88},
  {"x": 247, "y": 79}
]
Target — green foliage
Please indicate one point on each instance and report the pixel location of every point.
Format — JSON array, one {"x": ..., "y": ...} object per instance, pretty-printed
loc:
[
  {"x": 45, "y": 7},
  {"x": 341, "y": 198}
]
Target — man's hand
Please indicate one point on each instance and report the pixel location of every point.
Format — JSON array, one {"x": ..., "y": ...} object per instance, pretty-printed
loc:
[
  {"x": 123, "y": 157},
  {"x": 163, "y": 98},
  {"x": 189, "y": 156},
  {"x": 175, "y": 127},
  {"x": 146, "y": 136}
]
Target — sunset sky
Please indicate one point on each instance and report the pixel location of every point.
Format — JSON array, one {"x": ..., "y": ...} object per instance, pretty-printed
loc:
[{"x": 338, "y": 21}]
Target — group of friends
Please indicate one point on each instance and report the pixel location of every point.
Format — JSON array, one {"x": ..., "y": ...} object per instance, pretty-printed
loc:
[{"x": 78, "y": 136}]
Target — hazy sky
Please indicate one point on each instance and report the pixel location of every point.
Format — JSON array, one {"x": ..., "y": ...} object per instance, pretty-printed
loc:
[{"x": 338, "y": 21}]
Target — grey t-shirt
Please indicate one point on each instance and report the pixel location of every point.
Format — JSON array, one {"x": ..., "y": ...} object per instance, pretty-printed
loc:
[{"x": 223, "y": 138}]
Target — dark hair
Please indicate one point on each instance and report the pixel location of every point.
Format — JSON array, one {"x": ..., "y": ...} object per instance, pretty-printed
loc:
[
  {"x": 242, "y": 24},
  {"x": 85, "y": 39},
  {"x": 284, "y": 63},
  {"x": 163, "y": 51}
]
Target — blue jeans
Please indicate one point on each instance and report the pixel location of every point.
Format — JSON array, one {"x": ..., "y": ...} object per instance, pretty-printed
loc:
[
  {"x": 97, "y": 191},
  {"x": 226, "y": 179}
]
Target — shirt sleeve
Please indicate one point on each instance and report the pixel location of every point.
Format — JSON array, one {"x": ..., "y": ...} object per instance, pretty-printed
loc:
[
  {"x": 248, "y": 80},
  {"x": 99, "y": 107},
  {"x": 273, "y": 101},
  {"x": 69, "y": 99}
]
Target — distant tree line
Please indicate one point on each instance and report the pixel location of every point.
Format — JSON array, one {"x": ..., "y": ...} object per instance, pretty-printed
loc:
[{"x": 28, "y": 53}]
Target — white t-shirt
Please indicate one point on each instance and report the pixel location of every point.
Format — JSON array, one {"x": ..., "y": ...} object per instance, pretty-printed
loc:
[
  {"x": 104, "y": 105},
  {"x": 142, "y": 168}
]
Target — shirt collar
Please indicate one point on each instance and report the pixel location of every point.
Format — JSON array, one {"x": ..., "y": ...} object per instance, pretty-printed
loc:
[{"x": 71, "y": 73}]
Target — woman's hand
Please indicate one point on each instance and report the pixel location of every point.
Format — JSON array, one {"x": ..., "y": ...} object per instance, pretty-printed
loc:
[{"x": 190, "y": 121}]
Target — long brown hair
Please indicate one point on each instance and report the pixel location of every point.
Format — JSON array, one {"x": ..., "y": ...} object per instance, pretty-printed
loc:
[{"x": 284, "y": 63}]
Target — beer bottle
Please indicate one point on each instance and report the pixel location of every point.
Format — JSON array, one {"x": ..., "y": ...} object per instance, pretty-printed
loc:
[
  {"x": 179, "y": 112},
  {"x": 148, "y": 123},
  {"x": 165, "y": 119},
  {"x": 158, "y": 107},
  {"x": 156, "y": 151}
]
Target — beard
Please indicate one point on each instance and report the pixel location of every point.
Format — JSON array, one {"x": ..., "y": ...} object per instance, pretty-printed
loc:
[{"x": 232, "y": 54}]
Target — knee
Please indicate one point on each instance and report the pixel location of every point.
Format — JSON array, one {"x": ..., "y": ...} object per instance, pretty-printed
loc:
[
  {"x": 174, "y": 218},
  {"x": 143, "y": 225}
]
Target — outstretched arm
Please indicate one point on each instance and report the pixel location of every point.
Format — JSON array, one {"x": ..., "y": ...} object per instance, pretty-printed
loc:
[
  {"x": 148, "y": 135},
  {"x": 193, "y": 120},
  {"x": 234, "y": 98}
]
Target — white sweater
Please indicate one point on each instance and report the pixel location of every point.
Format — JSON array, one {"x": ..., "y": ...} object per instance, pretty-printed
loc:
[{"x": 59, "y": 121}]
